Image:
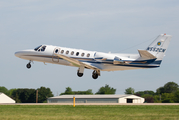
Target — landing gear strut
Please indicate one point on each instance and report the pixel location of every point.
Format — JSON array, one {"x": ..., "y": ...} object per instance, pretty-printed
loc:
[
  {"x": 95, "y": 74},
  {"x": 28, "y": 65},
  {"x": 80, "y": 71}
]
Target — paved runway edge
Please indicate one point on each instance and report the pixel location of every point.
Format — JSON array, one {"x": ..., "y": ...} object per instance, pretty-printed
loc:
[{"x": 89, "y": 103}]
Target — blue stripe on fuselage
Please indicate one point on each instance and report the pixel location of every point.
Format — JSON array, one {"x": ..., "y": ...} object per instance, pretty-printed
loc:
[{"x": 147, "y": 64}]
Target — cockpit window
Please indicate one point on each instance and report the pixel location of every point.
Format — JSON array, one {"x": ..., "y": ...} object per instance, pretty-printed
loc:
[
  {"x": 43, "y": 48},
  {"x": 37, "y": 48}
]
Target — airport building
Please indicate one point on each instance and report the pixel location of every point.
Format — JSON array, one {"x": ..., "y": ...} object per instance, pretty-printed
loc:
[
  {"x": 96, "y": 99},
  {"x": 6, "y": 99}
]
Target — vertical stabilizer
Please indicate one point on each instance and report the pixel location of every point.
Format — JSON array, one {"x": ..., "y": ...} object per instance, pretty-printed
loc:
[{"x": 159, "y": 46}]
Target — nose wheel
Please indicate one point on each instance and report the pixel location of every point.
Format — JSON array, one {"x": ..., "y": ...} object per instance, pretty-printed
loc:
[{"x": 28, "y": 65}]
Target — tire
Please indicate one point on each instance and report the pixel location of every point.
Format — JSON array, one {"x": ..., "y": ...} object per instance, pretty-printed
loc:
[
  {"x": 79, "y": 74},
  {"x": 28, "y": 65},
  {"x": 95, "y": 76}
]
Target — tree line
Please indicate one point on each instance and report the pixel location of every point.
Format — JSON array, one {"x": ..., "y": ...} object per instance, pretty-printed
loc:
[
  {"x": 169, "y": 93},
  {"x": 103, "y": 90},
  {"x": 25, "y": 95}
]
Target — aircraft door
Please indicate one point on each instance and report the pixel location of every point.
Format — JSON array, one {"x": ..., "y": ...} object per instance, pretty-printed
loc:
[{"x": 54, "y": 57}]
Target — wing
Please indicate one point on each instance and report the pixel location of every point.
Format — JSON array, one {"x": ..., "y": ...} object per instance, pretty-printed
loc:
[{"x": 77, "y": 63}]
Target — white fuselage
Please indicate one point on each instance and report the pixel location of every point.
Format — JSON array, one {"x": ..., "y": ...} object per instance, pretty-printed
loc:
[{"x": 104, "y": 61}]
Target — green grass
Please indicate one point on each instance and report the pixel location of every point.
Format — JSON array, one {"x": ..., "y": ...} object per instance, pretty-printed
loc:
[{"x": 108, "y": 112}]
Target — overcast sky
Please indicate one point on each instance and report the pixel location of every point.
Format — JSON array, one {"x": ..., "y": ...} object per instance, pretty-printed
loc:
[{"x": 97, "y": 25}]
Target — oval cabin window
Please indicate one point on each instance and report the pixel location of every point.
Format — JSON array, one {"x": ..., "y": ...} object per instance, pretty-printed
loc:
[
  {"x": 88, "y": 55},
  {"x": 72, "y": 52},
  {"x": 67, "y": 52},
  {"x": 62, "y": 51},
  {"x": 82, "y": 54}
]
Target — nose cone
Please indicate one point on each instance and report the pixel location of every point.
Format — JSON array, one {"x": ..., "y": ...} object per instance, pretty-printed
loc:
[{"x": 17, "y": 54}]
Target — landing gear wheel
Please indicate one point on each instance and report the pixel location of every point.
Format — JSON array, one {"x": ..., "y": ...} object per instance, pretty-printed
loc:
[
  {"x": 79, "y": 74},
  {"x": 28, "y": 65},
  {"x": 95, "y": 75}
]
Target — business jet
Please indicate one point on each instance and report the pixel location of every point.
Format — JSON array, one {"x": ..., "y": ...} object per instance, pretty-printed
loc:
[{"x": 98, "y": 61}]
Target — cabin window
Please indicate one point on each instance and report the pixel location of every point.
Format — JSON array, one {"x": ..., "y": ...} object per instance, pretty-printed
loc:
[
  {"x": 37, "y": 48},
  {"x": 56, "y": 51},
  {"x": 43, "y": 48},
  {"x": 77, "y": 53},
  {"x": 67, "y": 52},
  {"x": 88, "y": 55},
  {"x": 82, "y": 54},
  {"x": 62, "y": 51},
  {"x": 72, "y": 52}
]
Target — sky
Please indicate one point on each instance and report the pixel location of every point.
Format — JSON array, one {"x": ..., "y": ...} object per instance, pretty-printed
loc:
[{"x": 115, "y": 26}]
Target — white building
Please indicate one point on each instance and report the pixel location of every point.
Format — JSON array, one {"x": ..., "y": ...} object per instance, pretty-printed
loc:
[
  {"x": 6, "y": 99},
  {"x": 96, "y": 99}
]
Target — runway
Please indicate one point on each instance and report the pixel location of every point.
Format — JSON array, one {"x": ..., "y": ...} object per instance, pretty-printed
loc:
[{"x": 89, "y": 103}]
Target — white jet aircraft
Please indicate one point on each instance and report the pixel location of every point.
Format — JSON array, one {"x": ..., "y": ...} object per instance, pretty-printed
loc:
[{"x": 99, "y": 61}]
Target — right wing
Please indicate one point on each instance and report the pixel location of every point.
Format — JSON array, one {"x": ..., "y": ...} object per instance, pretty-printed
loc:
[{"x": 78, "y": 63}]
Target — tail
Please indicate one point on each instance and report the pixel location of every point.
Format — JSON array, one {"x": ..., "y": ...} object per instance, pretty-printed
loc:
[{"x": 157, "y": 49}]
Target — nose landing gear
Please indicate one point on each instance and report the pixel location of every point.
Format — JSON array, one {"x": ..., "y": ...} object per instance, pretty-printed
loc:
[{"x": 29, "y": 65}]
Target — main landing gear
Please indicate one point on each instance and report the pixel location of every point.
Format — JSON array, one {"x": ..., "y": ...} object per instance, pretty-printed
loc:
[
  {"x": 95, "y": 73},
  {"x": 80, "y": 71},
  {"x": 79, "y": 74},
  {"x": 29, "y": 65}
]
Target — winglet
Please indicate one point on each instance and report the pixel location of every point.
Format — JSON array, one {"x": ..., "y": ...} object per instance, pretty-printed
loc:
[{"x": 146, "y": 55}]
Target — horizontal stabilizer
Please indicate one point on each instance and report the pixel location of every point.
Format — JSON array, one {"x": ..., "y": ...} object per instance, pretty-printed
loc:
[{"x": 146, "y": 55}]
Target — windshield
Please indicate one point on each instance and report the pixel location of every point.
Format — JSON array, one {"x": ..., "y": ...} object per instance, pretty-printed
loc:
[
  {"x": 37, "y": 48},
  {"x": 43, "y": 48}
]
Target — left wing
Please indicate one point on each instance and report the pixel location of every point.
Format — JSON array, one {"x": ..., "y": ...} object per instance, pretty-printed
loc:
[{"x": 77, "y": 63}]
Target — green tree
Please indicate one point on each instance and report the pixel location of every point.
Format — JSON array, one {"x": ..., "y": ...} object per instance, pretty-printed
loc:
[
  {"x": 169, "y": 87},
  {"x": 148, "y": 98},
  {"x": 43, "y": 94},
  {"x": 4, "y": 90},
  {"x": 141, "y": 93},
  {"x": 11, "y": 91},
  {"x": 88, "y": 92},
  {"x": 167, "y": 98},
  {"x": 106, "y": 90},
  {"x": 15, "y": 96},
  {"x": 68, "y": 91},
  {"x": 160, "y": 90},
  {"x": 176, "y": 97},
  {"x": 24, "y": 95},
  {"x": 129, "y": 90},
  {"x": 157, "y": 98}
]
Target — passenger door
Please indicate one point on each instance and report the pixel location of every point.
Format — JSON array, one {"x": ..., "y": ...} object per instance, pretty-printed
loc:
[{"x": 54, "y": 57}]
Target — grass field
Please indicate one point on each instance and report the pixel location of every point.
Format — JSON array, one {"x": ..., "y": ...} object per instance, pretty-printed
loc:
[{"x": 93, "y": 112}]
